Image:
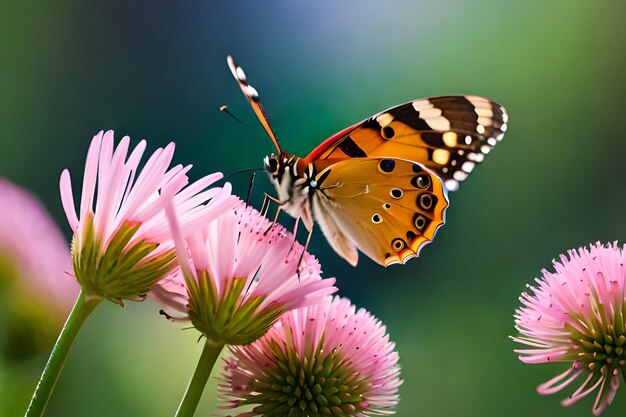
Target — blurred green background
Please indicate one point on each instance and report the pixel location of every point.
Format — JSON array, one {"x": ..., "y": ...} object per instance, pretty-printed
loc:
[{"x": 156, "y": 70}]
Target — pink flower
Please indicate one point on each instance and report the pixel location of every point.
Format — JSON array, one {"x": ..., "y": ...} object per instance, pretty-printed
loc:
[
  {"x": 34, "y": 245},
  {"x": 576, "y": 315},
  {"x": 122, "y": 244},
  {"x": 325, "y": 359},
  {"x": 35, "y": 291},
  {"x": 238, "y": 275}
]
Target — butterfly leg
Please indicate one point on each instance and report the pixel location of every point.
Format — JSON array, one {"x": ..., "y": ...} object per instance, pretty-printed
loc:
[
  {"x": 295, "y": 234},
  {"x": 306, "y": 245},
  {"x": 267, "y": 199},
  {"x": 264, "y": 208}
]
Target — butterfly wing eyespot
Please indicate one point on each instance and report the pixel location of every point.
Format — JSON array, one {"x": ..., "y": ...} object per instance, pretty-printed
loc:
[
  {"x": 449, "y": 135},
  {"x": 379, "y": 208},
  {"x": 421, "y": 181}
]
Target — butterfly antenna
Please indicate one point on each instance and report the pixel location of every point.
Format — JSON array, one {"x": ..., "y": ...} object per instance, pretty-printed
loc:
[
  {"x": 228, "y": 112},
  {"x": 250, "y": 187},
  {"x": 239, "y": 171}
]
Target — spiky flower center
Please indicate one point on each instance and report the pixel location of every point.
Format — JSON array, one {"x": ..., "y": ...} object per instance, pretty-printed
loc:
[
  {"x": 600, "y": 344},
  {"x": 320, "y": 384}
]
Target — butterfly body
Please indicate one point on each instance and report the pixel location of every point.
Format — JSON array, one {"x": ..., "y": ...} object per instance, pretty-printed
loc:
[
  {"x": 381, "y": 186},
  {"x": 293, "y": 185}
]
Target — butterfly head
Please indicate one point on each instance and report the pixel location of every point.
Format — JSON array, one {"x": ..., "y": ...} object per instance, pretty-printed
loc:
[
  {"x": 277, "y": 165},
  {"x": 291, "y": 188},
  {"x": 271, "y": 164}
]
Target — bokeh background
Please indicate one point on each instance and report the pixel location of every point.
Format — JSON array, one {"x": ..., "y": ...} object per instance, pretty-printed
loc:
[{"x": 156, "y": 70}]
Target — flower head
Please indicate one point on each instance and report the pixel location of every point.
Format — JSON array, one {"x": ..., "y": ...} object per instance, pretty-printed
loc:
[
  {"x": 325, "y": 359},
  {"x": 35, "y": 291},
  {"x": 122, "y": 244},
  {"x": 238, "y": 276},
  {"x": 576, "y": 315}
]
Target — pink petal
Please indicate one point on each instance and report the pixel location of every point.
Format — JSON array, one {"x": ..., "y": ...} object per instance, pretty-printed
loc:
[
  {"x": 91, "y": 173},
  {"x": 67, "y": 199}
]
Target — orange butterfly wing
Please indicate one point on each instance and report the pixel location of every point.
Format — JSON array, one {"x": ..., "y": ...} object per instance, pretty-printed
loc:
[
  {"x": 388, "y": 208},
  {"x": 449, "y": 135}
]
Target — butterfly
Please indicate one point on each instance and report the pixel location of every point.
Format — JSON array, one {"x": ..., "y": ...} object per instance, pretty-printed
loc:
[{"x": 381, "y": 185}]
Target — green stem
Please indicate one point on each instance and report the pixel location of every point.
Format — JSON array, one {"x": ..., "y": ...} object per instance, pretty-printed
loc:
[
  {"x": 190, "y": 400},
  {"x": 50, "y": 375}
]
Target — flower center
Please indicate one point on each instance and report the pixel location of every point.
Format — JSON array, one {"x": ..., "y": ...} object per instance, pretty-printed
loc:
[
  {"x": 315, "y": 385},
  {"x": 599, "y": 344},
  {"x": 602, "y": 350}
]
